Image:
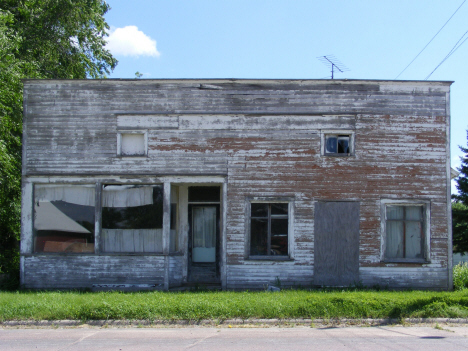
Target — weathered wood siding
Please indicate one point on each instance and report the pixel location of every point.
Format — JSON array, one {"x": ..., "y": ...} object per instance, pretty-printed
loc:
[
  {"x": 68, "y": 272},
  {"x": 264, "y": 136}
]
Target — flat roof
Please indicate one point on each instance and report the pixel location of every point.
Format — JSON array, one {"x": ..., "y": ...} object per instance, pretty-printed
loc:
[{"x": 248, "y": 80}]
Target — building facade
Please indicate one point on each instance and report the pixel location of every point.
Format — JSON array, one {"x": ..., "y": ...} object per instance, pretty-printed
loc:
[{"x": 240, "y": 183}]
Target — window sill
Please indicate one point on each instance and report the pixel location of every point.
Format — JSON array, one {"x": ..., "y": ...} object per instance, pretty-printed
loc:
[
  {"x": 72, "y": 254},
  {"x": 338, "y": 155},
  {"x": 269, "y": 258},
  {"x": 58, "y": 254},
  {"x": 406, "y": 260},
  {"x": 132, "y": 156}
]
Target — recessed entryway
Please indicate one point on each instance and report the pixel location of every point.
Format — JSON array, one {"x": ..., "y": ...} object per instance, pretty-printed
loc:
[{"x": 204, "y": 219}]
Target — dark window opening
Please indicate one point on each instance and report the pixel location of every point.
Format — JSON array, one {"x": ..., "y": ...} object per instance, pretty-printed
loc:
[
  {"x": 269, "y": 229},
  {"x": 131, "y": 207},
  {"x": 204, "y": 194},
  {"x": 132, "y": 218},
  {"x": 337, "y": 144}
]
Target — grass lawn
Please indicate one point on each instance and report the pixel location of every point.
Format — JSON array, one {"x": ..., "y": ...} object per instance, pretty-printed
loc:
[{"x": 222, "y": 305}]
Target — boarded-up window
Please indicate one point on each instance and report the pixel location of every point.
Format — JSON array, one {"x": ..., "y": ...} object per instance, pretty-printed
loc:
[
  {"x": 64, "y": 218},
  {"x": 269, "y": 229},
  {"x": 132, "y": 218},
  {"x": 132, "y": 144},
  {"x": 405, "y": 232}
]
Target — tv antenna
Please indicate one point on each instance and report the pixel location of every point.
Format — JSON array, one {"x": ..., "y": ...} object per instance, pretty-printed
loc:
[{"x": 331, "y": 60}]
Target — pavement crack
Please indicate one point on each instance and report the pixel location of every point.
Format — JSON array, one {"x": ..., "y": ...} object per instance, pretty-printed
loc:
[
  {"x": 199, "y": 341},
  {"x": 78, "y": 341}
]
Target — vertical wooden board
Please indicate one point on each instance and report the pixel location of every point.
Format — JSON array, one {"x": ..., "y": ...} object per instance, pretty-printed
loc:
[
  {"x": 336, "y": 259},
  {"x": 138, "y": 241},
  {"x": 127, "y": 240},
  {"x": 118, "y": 240},
  {"x": 149, "y": 240}
]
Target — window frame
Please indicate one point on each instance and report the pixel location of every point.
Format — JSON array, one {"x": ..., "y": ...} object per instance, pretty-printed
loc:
[
  {"x": 128, "y": 131},
  {"x": 102, "y": 249},
  {"x": 339, "y": 132},
  {"x": 33, "y": 219},
  {"x": 426, "y": 240},
  {"x": 269, "y": 200}
]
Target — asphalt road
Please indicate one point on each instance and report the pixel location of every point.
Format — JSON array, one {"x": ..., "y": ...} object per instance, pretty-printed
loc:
[{"x": 196, "y": 338}]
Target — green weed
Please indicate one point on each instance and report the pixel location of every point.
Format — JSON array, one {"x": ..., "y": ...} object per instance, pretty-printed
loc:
[{"x": 460, "y": 276}]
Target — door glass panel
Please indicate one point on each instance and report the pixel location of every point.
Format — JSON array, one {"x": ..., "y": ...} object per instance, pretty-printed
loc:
[{"x": 204, "y": 234}]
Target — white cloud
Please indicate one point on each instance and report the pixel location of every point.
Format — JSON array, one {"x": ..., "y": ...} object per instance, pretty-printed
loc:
[{"x": 129, "y": 41}]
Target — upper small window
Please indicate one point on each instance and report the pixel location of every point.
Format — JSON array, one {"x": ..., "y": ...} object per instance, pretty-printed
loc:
[
  {"x": 337, "y": 144},
  {"x": 132, "y": 144}
]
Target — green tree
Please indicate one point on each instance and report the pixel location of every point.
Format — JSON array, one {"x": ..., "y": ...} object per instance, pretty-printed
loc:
[
  {"x": 460, "y": 207},
  {"x": 49, "y": 39},
  {"x": 11, "y": 69}
]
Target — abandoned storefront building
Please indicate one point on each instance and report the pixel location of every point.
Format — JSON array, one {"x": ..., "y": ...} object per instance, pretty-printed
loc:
[{"x": 236, "y": 183}]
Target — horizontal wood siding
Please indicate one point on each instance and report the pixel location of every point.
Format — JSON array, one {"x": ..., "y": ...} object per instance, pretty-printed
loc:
[
  {"x": 68, "y": 272},
  {"x": 404, "y": 277},
  {"x": 176, "y": 264},
  {"x": 265, "y": 137}
]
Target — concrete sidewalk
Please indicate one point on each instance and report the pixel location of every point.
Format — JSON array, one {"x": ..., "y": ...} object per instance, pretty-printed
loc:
[{"x": 437, "y": 338}]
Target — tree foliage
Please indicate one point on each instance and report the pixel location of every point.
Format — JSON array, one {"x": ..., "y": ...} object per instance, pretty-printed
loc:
[
  {"x": 48, "y": 39},
  {"x": 460, "y": 207}
]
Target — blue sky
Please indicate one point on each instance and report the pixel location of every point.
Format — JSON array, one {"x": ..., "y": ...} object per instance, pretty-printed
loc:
[{"x": 282, "y": 39}]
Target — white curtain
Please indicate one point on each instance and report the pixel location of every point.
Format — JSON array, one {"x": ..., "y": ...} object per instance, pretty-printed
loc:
[
  {"x": 411, "y": 218},
  {"x": 204, "y": 227},
  {"x": 127, "y": 196},
  {"x": 74, "y": 194},
  {"x": 394, "y": 247}
]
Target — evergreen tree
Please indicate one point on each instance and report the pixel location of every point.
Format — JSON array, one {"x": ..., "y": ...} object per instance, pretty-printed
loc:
[{"x": 460, "y": 207}]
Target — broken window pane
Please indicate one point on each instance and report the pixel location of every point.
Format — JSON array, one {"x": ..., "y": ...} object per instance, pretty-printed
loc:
[
  {"x": 343, "y": 144},
  {"x": 132, "y": 217},
  {"x": 64, "y": 218},
  {"x": 337, "y": 144}
]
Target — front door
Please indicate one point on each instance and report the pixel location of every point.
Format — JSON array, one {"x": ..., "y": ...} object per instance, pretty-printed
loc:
[
  {"x": 204, "y": 234},
  {"x": 203, "y": 262}
]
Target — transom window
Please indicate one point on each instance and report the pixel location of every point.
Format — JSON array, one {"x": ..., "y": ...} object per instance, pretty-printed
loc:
[
  {"x": 269, "y": 229},
  {"x": 405, "y": 232}
]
